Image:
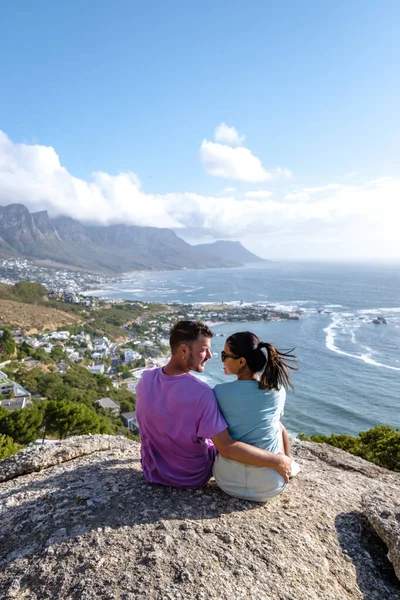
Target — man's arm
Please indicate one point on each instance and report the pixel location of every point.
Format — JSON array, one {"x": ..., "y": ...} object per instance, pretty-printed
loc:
[{"x": 251, "y": 455}]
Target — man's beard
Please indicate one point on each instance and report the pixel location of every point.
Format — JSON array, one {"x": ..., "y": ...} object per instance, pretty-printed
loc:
[{"x": 195, "y": 366}]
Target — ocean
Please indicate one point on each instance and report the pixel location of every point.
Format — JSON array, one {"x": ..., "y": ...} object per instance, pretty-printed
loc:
[{"x": 349, "y": 367}]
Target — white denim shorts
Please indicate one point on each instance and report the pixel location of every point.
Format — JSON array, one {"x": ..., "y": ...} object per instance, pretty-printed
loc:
[{"x": 258, "y": 484}]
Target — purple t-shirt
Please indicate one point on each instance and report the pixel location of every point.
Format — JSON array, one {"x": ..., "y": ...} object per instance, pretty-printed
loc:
[{"x": 177, "y": 415}]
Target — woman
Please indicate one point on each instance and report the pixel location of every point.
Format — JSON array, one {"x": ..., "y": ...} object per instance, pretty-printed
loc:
[{"x": 252, "y": 406}]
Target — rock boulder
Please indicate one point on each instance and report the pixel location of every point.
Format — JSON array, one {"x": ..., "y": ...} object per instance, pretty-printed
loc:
[
  {"x": 88, "y": 526},
  {"x": 382, "y": 507}
]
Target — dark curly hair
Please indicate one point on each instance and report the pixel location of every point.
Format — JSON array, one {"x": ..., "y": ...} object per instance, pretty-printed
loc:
[{"x": 187, "y": 332}]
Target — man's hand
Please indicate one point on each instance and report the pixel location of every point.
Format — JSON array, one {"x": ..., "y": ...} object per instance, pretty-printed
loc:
[
  {"x": 283, "y": 466},
  {"x": 251, "y": 455}
]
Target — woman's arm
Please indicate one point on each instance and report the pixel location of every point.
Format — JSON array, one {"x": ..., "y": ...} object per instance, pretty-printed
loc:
[
  {"x": 251, "y": 455},
  {"x": 285, "y": 440}
]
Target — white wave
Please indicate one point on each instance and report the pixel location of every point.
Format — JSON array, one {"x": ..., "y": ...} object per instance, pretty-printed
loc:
[
  {"x": 333, "y": 306},
  {"x": 376, "y": 311},
  {"x": 331, "y": 333},
  {"x": 285, "y": 306}
]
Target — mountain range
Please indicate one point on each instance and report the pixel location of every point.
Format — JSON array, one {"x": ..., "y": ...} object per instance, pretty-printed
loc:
[
  {"x": 108, "y": 249},
  {"x": 234, "y": 250}
]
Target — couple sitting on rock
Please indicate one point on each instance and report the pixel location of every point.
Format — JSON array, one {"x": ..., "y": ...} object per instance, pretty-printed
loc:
[{"x": 190, "y": 432}]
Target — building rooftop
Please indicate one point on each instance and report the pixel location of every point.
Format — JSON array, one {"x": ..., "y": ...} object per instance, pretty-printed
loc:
[
  {"x": 107, "y": 403},
  {"x": 129, "y": 415}
]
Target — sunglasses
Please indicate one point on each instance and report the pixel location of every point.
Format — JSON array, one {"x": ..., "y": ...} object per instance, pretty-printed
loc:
[{"x": 225, "y": 355}]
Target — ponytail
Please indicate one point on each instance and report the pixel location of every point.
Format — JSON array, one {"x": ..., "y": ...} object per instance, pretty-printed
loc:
[
  {"x": 276, "y": 373},
  {"x": 274, "y": 365}
]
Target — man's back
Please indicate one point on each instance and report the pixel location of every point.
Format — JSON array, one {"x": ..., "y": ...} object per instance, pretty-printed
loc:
[{"x": 177, "y": 416}]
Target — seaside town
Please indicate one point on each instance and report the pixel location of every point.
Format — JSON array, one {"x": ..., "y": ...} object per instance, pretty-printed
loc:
[
  {"x": 97, "y": 358},
  {"x": 60, "y": 278}
]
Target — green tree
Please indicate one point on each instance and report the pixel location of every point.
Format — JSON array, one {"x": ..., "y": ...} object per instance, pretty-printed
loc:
[
  {"x": 81, "y": 378},
  {"x": 24, "y": 350},
  {"x": 3, "y": 411},
  {"x": 47, "y": 382},
  {"x": 42, "y": 355},
  {"x": 57, "y": 353},
  {"x": 69, "y": 418},
  {"x": 29, "y": 292},
  {"x": 7, "y": 446},
  {"x": 124, "y": 371},
  {"x": 381, "y": 445},
  {"x": 127, "y": 406},
  {"x": 28, "y": 379},
  {"x": 139, "y": 362},
  {"x": 23, "y": 425},
  {"x": 10, "y": 368},
  {"x": 7, "y": 344}
]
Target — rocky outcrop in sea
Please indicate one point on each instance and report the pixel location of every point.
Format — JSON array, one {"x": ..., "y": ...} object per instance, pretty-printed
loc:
[{"x": 79, "y": 522}]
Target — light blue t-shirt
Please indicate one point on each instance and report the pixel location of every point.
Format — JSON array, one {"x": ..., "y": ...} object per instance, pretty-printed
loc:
[{"x": 252, "y": 414}]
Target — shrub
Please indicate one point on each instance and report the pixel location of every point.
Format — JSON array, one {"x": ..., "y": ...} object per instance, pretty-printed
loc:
[
  {"x": 379, "y": 445},
  {"x": 7, "y": 446}
]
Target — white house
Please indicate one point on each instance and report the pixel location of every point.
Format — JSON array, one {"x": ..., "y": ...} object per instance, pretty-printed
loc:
[
  {"x": 7, "y": 386},
  {"x": 33, "y": 342},
  {"x": 101, "y": 343},
  {"x": 131, "y": 355},
  {"x": 59, "y": 335},
  {"x": 98, "y": 355},
  {"x": 97, "y": 369},
  {"x": 72, "y": 354}
]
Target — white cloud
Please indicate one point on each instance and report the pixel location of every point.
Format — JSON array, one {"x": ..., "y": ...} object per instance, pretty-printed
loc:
[
  {"x": 323, "y": 188},
  {"x": 32, "y": 175},
  {"x": 221, "y": 160},
  {"x": 296, "y": 196},
  {"x": 282, "y": 172},
  {"x": 345, "y": 221},
  {"x": 232, "y": 163},
  {"x": 307, "y": 192},
  {"x": 229, "y": 189},
  {"x": 228, "y": 135},
  {"x": 258, "y": 194}
]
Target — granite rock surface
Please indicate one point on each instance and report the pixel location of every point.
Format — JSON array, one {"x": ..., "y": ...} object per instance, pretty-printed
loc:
[
  {"x": 382, "y": 507},
  {"x": 79, "y": 522}
]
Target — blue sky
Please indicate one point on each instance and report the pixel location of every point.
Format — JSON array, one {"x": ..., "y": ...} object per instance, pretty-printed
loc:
[{"x": 127, "y": 87}]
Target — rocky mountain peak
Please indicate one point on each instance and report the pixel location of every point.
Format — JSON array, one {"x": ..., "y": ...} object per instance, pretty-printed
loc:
[
  {"x": 108, "y": 249},
  {"x": 13, "y": 215},
  {"x": 44, "y": 224},
  {"x": 78, "y": 521}
]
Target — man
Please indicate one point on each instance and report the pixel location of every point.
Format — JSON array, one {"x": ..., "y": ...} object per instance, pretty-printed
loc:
[{"x": 180, "y": 424}]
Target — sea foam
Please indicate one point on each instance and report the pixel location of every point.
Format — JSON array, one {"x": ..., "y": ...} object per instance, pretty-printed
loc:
[{"x": 339, "y": 325}]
